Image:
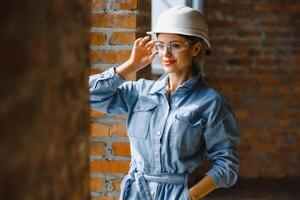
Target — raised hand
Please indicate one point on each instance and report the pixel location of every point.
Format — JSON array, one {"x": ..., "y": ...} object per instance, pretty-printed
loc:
[
  {"x": 142, "y": 53},
  {"x": 140, "y": 57}
]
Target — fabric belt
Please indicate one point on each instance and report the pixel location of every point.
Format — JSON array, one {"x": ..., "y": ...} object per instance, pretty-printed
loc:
[{"x": 142, "y": 187}]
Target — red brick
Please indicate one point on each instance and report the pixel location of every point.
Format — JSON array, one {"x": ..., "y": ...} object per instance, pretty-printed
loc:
[
  {"x": 248, "y": 141},
  {"x": 263, "y": 148},
  {"x": 241, "y": 114},
  {"x": 116, "y": 185},
  {"x": 254, "y": 52},
  {"x": 95, "y": 113},
  {"x": 121, "y": 148},
  {"x": 109, "y": 57},
  {"x": 267, "y": 61},
  {"x": 243, "y": 43},
  {"x": 97, "y": 38},
  {"x": 97, "y": 148},
  {"x": 101, "y": 114},
  {"x": 118, "y": 129},
  {"x": 229, "y": 7},
  {"x": 105, "y": 198},
  {"x": 251, "y": 131},
  {"x": 267, "y": 89},
  {"x": 249, "y": 169},
  {"x": 294, "y": 62},
  {"x": 109, "y": 167},
  {"x": 97, "y": 184},
  {"x": 244, "y": 147},
  {"x": 108, "y": 4},
  {"x": 293, "y": 8},
  {"x": 274, "y": 25},
  {"x": 249, "y": 33},
  {"x": 296, "y": 89},
  {"x": 267, "y": 6},
  {"x": 283, "y": 89},
  {"x": 239, "y": 61},
  {"x": 99, "y": 129},
  {"x": 244, "y": 23},
  {"x": 235, "y": 52},
  {"x": 94, "y": 71},
  {"x": 226, "y": 89},
  {"x": 121, "y": 116},
  {"x": 122, "y": 38},
  {"x": 220, "y": 24},
  {"x": 114, "y": 20},
  {"x": 269, "y": 80}
]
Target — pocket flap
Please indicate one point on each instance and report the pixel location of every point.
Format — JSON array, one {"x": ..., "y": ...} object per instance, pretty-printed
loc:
[
  {"x": 144, "y": 106},
  {"x": 192, "y": 122}
]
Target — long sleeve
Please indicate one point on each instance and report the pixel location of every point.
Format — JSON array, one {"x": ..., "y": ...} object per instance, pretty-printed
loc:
[
  {"x": 110, "y": 93},
  {"x": 221, "y": 140}
]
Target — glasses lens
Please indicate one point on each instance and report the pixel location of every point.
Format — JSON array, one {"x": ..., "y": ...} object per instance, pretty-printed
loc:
[
  {"x": 160, "y": 46},
  {"x": 176, "y": 46},
  {"x": 173, "y": 47}
]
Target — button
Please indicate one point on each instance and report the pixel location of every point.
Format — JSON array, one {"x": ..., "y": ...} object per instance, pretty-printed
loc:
[
  {"x": 110, "y": 74},
  {"x": 156, "y": 153},
  {"x": 158, "y": 132},
  {"x": 101, "y": 76},
  {"x": 152, "y": 192}
]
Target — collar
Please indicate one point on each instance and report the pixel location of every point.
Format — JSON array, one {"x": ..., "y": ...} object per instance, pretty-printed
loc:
[{"x": 162, "y": 83}]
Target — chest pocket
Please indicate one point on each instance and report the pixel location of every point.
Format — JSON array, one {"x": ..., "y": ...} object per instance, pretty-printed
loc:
[
  {"x": 139, "y": 125},
  {"x": 185, "y": 135}
]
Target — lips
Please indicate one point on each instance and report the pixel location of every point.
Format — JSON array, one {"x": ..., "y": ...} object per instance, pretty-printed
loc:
[{"x": 168, "y": 62}]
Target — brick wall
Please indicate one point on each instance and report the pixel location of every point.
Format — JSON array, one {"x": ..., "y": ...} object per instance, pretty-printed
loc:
[
  {"x": 44, "y": 112},
  {"x": 255, "y": 63},
  {"x": 115, "y": 26}
]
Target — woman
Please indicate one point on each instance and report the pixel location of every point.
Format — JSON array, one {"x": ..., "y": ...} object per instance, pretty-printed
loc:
[{"x": 176, "y": 122}]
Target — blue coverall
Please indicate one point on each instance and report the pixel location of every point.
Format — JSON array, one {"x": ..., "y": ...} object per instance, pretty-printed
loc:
[{"x": 170, "y": 136}]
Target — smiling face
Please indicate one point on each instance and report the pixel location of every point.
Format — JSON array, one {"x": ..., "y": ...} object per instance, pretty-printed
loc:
[{"x": 175, "y": 52}]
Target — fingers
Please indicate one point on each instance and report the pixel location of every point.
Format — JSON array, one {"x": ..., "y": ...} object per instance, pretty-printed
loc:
[
  {"x": 144, "y": 40},
  {"x": 145, "y": 43},
  {"x": 151, "y": 43},
  {"x": 141, "y": 42},
  {"x": 137, "y": 42}
]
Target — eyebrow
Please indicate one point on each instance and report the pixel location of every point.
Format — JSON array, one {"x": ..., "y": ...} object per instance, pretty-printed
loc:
[{"x": 170, "y": 41}]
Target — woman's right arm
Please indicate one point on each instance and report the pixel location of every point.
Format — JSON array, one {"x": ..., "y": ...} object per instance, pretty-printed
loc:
[
  {"x": 109, "y": 91},
  {"x": 108, "y": 94}
]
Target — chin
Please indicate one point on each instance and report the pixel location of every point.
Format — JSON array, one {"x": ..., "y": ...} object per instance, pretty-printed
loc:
[{"x": 168, "y": 69}]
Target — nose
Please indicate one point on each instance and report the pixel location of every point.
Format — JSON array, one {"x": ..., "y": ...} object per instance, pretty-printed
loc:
[{"x": 166, "y": 51}]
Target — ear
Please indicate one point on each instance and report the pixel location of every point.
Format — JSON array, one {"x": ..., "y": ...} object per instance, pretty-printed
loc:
[{"x": 197, "y": 48}]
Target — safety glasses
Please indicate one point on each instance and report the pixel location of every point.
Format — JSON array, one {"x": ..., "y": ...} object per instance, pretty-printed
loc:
[{"x": 172, "y": 47}]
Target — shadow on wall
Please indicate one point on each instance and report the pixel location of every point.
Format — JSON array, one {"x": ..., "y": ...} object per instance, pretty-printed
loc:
[{"x": 44, "y": 111}]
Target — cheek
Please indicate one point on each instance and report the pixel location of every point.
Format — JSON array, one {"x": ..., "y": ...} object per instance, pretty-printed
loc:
[{"x": 185, "y": 58}]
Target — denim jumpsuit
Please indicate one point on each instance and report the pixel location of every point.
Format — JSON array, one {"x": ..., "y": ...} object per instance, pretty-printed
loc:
[{"x": 170, "y": 136}]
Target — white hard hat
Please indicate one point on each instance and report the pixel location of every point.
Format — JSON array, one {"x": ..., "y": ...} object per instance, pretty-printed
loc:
[{"x": 182, "y": 20}]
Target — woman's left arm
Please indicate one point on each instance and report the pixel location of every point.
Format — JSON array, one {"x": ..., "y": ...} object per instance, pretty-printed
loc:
[{"x": 221, "y": 139}]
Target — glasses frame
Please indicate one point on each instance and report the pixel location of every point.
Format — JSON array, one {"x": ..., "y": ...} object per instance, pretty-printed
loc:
[{"x": 170, "y": 48}]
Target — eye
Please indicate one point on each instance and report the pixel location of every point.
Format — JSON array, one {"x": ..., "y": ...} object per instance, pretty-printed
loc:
[
  {"x": 160, "y": 46},
  {"x": 175, "y": 45}
]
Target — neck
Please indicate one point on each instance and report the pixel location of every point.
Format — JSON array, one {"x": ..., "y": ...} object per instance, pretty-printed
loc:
[{"x": 177, "y": 79}]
